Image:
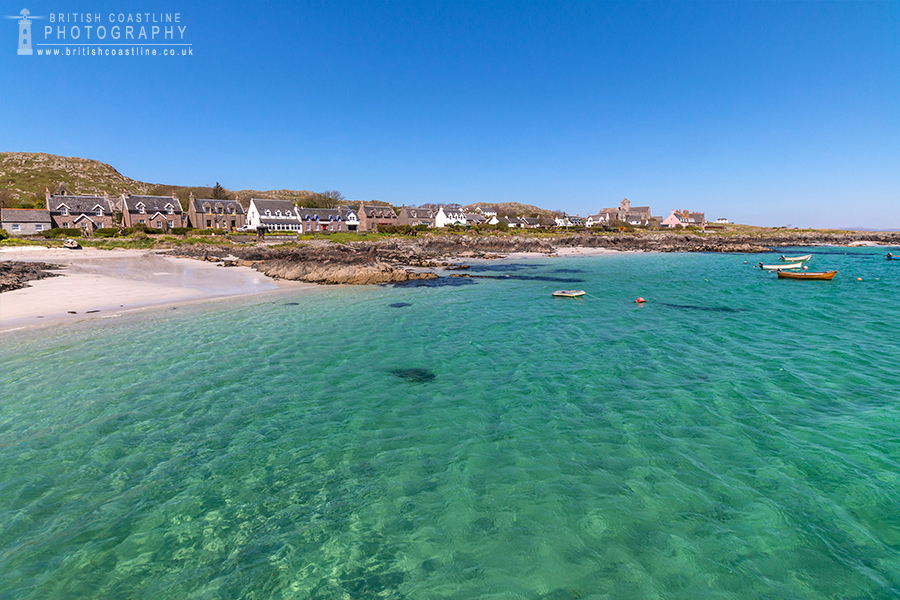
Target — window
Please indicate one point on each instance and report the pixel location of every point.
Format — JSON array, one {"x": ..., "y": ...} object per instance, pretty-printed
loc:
[
  {"x": 38, "y": 226},
  {"x": 140, "y": 221},
  {"x": 171, "y": 223},
  {"x": 170, "y": 210},
  {"x": 141, "y": 210},
  {"x": 207, "y": 209},
  {"x": 158, "y": 224},
  {"x": 208, "y": 223},
  {"x": 15, "y": 227},
  {"x": 63, "y": 211},
  {"x": 64, "y": 225},
  {"x": 98, "y": 212}
]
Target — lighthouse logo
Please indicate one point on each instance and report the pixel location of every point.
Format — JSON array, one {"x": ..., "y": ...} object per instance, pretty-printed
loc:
[{"x": 25, "y": 32}]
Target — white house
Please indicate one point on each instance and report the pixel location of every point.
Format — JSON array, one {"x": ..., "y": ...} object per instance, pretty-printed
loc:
[
  {"x": 449, "y": 216},
  {"x": 597, "y": 220},
  {"x": 275, "y": 215}
]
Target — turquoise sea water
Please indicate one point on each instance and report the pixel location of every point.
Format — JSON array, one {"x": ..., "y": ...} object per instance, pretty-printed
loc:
[{"x": 736, "y": 437}]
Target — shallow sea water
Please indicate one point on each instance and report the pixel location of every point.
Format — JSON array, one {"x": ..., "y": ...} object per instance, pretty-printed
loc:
[{"x": 736, "y": 437}]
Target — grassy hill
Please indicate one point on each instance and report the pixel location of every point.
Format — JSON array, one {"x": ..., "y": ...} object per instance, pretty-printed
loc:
[{"x": 25, "y": 175}]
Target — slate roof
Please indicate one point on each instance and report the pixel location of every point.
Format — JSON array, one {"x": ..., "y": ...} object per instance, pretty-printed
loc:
[
  {"x": 420, "y": 213},
  {"x": 321, "y": 214},
  {"x": 380, "y": 212},
  {"x": 152, "y": 204},
  {"x": 227, "y": 205},
  {"x": 273, "y": 205},
  {"x": 25, "y": 215},
  {"x": 78, "y": 204},
  {"x": 475, "y": 218}
]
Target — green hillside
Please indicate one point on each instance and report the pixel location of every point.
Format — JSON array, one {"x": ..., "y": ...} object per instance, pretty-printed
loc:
[{"x": 25, "y": 175}]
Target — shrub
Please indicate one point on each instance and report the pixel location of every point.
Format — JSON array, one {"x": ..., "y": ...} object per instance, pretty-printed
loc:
[
  {"x": 141, "y": 228},
  {"x": 106, "y": 232},
  {"x": 3, "y": 234},
  {"x": 401, "y": 229},
  {"x": 182, "y": 230},
  {"x": 58, "y": 232}
]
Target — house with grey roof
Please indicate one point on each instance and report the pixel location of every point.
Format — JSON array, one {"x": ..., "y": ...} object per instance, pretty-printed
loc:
[
  {"x": 24, "y": 221},
  {"x": 327, "y": 219},
  {"x": 158, "y": 212},
  {"x": 416, "y": 216},
  {"x": 370, "y": 217},
  {"x": 449, "y": 216},
  {"x": 226, "y": 215},
  {"x": 87, "y": 213},
  {"x": 273, "y": 215}
]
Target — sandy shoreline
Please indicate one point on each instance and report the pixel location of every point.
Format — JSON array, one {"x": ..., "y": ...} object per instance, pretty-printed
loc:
[{"x": 104, "y": 283}]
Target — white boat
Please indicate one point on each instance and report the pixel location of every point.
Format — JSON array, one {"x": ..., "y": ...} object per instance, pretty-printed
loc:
[
  {"x": 780, "y": 267},
  {"x": 792, "y": 259},
  {"x": 568, "y": 293}
]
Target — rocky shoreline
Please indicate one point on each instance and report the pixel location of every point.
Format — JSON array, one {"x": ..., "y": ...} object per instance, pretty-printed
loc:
[
  {"x": 15, "y": 275},
  {"x": 391, "y": 260}
]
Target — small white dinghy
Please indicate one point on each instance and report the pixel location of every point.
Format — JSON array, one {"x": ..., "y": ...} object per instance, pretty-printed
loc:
[
  {"x": 780, "y": 267},
  {"x": 568, "y": 293}
]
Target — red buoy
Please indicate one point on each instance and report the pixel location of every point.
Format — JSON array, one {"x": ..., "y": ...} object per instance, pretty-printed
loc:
[{"x": 640, "y": 300}]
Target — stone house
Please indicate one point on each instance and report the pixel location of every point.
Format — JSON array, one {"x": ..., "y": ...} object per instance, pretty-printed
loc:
[
  {"x": 370, "y": 217},
  {"x": 227, "y": 215},
  {"x": 25, "y": 221},
  {"x": 416, "y": 216},
  {"x": 475, "y": 219},
  {"x": 158, "y": 212},
  {"x": 633, "y": 215},
  {"x": 87, "y": 213},
  {"x": 684, "y": 218}
]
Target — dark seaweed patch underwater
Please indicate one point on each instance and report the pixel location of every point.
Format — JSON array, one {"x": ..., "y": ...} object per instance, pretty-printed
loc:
[{"x": 414, "y": 375}]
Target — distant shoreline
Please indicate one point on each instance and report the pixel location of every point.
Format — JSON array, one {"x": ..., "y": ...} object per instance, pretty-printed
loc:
[{"x": 103, "y": 283}]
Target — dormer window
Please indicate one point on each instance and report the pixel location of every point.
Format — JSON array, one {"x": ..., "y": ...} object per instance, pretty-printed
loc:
[
  {"x": 207, "y": 209},
  {"x": 277, "y": 213},
  {"x": 63, "y": 211},
  {"x": 98, "y": 212},
  {"x": 141, "y": 210},
  {"x": 170, "y": 210},
  {"x": 219, "y": 209},
  {"x": 268, "y": 213}
]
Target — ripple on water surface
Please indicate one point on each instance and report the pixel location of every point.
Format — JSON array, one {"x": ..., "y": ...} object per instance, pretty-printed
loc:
[{"x": 735, "y": 437}]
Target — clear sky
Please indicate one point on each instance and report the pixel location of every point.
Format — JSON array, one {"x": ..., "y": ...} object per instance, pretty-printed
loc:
[{"x": 767, "y": 113}]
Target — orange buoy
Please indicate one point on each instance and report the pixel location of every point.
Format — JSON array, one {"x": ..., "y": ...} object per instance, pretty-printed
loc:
[
  {"x": 859, "y": 278},
  {"x": 805, "y": 267},
  {"x": 640, "y": 300}
]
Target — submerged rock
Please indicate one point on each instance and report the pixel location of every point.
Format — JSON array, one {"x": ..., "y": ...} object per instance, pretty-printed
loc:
[
  {"x": 414, "y": 375},
  {"x": 399, "y": 304}
]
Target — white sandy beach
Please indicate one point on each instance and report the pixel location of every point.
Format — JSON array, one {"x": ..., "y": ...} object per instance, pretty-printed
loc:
[{"x": 102, "y": 283}]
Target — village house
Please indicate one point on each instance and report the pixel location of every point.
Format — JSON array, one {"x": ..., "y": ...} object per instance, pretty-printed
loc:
[
  {"x": 633, "y": 215},
  {"x": 487, "y": 212},
  {"x": 370, "y": 217},
  {"x": 25, "y": 221},
  {"x": 327, "y": 219},
  {"x": 274, "y": 215},
  {"x": 475, "y": 219},
  {"x": 597, "y": 220},
  {"x": 511, "y": 222},
  {"x": 158, "y": 212},
  {"x": 416, "y": 216},
  {"x": 227, "y": 215},
  {"x": 449, "y": 216},
  {"x": 684, "y": 218},
  {"x": 530, "y": 222},
  {"x": 87, "y": 213}
]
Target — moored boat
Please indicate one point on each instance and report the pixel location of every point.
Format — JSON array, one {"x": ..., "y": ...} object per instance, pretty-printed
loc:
[
  {"x": 807, "y": 275},
  {"x": 779, "y": 267},
  {"x": 568, "y": 293},
  {"x": 795, "y": 258},
  {"x": 71, "y": 244}
]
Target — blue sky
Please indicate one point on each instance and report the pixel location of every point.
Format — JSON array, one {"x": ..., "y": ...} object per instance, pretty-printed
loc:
[{"x": 768, "y": 113}]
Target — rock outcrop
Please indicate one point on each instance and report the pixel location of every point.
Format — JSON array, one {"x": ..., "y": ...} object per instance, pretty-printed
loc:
[{"x": 15, "y": 274}]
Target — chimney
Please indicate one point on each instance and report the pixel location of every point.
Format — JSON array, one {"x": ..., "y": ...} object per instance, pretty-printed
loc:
[
  {"x": 192, "y": 196},
  {"x": 47, "y": 193},
  {"x": 174, "y": 197}
]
